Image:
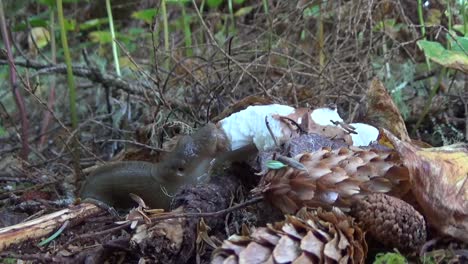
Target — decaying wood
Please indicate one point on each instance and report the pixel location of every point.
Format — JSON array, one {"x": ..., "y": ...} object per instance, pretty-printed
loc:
[
  {"x": 45, "y": 225},
  {"x": 174, "y": 240}
]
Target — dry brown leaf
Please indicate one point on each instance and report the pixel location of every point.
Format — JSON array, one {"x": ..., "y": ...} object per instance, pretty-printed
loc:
[
  {"x": 439, "y": 184},
  {"x": 382, "y": 111}
]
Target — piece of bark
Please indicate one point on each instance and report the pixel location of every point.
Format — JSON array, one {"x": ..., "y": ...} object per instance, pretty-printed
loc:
[{"x": 45, "y": 225}]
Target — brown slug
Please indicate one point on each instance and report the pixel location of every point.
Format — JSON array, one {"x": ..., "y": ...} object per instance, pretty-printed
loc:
[{"x": 188, "y": 163}]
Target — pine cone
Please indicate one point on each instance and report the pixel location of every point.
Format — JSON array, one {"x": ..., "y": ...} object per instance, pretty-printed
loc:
[
  {"x": 391, "y": 221},
  {"x": 308, "y": 237},
  {"x": 334, "y": 178}
]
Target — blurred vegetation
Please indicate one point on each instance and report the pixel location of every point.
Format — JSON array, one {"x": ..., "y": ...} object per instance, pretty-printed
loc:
[{"x": 182, "y": 62}]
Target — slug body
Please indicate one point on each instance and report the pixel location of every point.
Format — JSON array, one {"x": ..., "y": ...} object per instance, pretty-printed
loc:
[{"x": 188, "y": 163}]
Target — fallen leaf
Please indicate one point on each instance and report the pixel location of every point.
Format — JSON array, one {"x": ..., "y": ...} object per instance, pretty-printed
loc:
[
  {"x": 439, "y": 183},
  {"x": 382, "y": 111}
]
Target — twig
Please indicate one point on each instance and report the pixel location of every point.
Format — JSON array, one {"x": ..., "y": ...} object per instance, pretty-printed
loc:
[
  {"x": 301, "y": 129},
  {"x": 131, "y": 142},
  {"x": 253, "y": 200},
  {"x": 14, "y": 86},
  {"x": 271, "y": 132},
  {"x": 85, "y": 72},
  {"x": 212, "y": 38}
]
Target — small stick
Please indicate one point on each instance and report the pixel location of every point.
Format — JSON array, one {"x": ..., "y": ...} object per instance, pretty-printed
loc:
[{"x": 271, "y": 132}]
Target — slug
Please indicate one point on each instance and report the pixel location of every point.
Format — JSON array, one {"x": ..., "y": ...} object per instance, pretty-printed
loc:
[{"x": 155, "y": 183}]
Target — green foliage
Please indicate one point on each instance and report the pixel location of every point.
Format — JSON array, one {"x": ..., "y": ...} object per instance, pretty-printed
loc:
[
  {"x": 147, "y": 15},
  {"x": 390, "y": 258},
  {"x": 34, "y": 21},
  {"x": 214, "y": 3},
  {"x": 178, "y": 1},
  {"x": 93, "y": 23},
  {"x": 2, "y": 131},
  {"x": 275, "y": 165},
  {"x": 312, "y": 11},
  {"x": 101, "y": 37},
  {"x": 460, "y": 28},
  {"x": 454, "y": 59},
  {"x": 218, "y": 3},
  {"x": 49, "y": 3},
  {"x": 397, "y": 81},
  {"x": 9, "y": 261},
  {"x": 459, "y": 44},
  {"x": 387, "y": 23},
  {"x": 243, "y": 11},
  {"x": 70, "y": 24}
]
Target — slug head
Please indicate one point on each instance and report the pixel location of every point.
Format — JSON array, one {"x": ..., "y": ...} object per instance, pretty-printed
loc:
[
  {"x": 175, "y": 164},
  {"x": 192, "y": 157}
]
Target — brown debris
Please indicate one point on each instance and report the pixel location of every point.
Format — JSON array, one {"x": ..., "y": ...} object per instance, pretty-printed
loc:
[
  {"x": 309, "y": 237},
  {"x": 45, "y": 225},
  {"x": 173, "y": 240}
]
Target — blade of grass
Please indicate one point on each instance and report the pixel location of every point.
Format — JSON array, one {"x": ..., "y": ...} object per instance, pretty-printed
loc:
[
  {"x": 427, "y": 105},
  {"x": 187, "y": 31},
  {"x": 112, "y": 31},
  {"x": 421, "y": 18},
  {"x": 270, "y": 24},
  {"x": 71, "y": 88},
  {"x": 166, "y": 32},
  {"x": 465, "y": 16},
  {"x": 423, "y": 27},
  {"x": 14, "y": 87},
  {"x": 231, "y": 15},
  {"x": 47, "y": 115}
]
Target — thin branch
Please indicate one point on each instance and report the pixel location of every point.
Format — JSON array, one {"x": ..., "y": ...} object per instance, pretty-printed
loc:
[
  {"x": 91, "y": 74},
  {"x": 14, "y": 86}
]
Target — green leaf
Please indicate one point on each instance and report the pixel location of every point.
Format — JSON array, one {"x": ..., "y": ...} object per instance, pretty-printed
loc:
[
  {"x": 390, "y": 258},
  {"x": 49, "y": 3},
  {"x": 459, "y": 44},
  {"x": 177, "y": 1},
  {"x": 33, "y": 22},
  {"x": 275, "y": 165},
  {"x": 100, "y": 37},
  {"x": 54, "y": 235},
  {"x": 238, "y": 2},
  {"x": 146, "y": 15},
  {"x": 313, "y": 11},
  {"x": 40, "y": 35},
  {"x": 70, "y": 24},
  {"x": 2, "y": 132},
  {"x": 214, "y": 3},
  {"x": 448, "y": 58},
  {"x": 243, "y": 11},
  {"x": 382, "y": 24},
  {"x": 93, "y": 23},
  {"x": 460, "y": 28}
]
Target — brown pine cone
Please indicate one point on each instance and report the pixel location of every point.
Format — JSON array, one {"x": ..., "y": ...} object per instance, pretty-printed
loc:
[
  {"x": 308, "y": 237},
  {"x": 391, "y": 221},
  {"x": 334, "y": 178}
]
